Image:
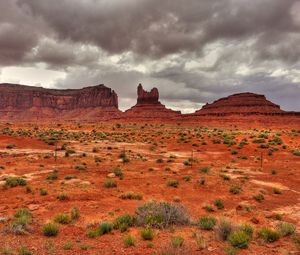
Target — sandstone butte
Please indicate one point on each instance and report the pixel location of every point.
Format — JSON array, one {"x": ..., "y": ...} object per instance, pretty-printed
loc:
[{"x": 99, "y": 103}]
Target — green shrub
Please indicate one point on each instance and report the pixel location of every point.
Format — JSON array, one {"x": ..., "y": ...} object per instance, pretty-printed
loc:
[
  {"x": 53, "y": 176},
  {"x": 110, "y": 183},
  {"x": 105, "y": 227},
  {"x": 123, "y": 222},
  {"x": 161, "y": 214},
  {"x": 219, "y": 203},
  {"x": 268, "y": 235},
  {"x": 173, "y": 183},
  {"x": 239, "y": 239},
  {"x": 285, "y": 228},
  {"x": 24, "y": 251},
  {"x": 62, "y": 218},
  {"x": 223, "y": 229},
  {"x": 207, "y": 222},
  {"x": 75, "y": 213},
  {"x": 80, "y": 167},
  {"x": 131, "y": 196},
  {"x": 147, "y": 234},
  {"x": 177, "y": 241},
  {"x": 43, "y": 192},
  {"x": 204, "y": 170},
  {"x": 118, "y": 172},
  {"x": 68, "y": 246},
  {"x": 259, "y": 197},
  {"x": 235, "y": 189},
  {"x": 129, "y": 241},
  {"x": 50, "y": 229},
  {"x": 14, "y": 182},
  {"x": 63, "y": 197},
  {"x": 248, "y": 229}
]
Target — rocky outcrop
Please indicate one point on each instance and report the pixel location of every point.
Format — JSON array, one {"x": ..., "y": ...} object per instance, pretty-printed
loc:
[
  {"x": 248, "y": 103},
  {"x": 148, "y": 106},
  {"x": 19, "y": 102}
]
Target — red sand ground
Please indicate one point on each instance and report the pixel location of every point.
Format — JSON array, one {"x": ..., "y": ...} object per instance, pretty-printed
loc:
[{"x": 144, "y": 144}]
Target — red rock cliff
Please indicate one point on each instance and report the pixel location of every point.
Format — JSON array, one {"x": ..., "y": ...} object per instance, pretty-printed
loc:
[
  {"x": 241, "y": 103},
  {"x": 19, "y": 102}
]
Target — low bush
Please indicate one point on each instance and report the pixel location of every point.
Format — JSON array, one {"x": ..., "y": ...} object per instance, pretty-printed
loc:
[
  {"x": 223, "y": 229},
  {"x": 105, "y": 227},
  {"x": 14, "y": 182},
  {"x": 50, "y": 229},
  {"x": 268, "y": 235},
  {"x": 131, "y": 196},
  {"x": 161, "y": 214},
  {"x": 177, "y": 241},
  {"x": 147, "y": 234},
  {"x": 285, "y": 228},
  {"x": 239, "y": 239},
  {"x": 207, "y": 222},
  {"x": 173, "y": 183},
  {"x": 123, "y": 222},
  {"x": 129, "y": 241},
  {"x": 110, "y": 183},
  {"x": 62, "y": 218}
]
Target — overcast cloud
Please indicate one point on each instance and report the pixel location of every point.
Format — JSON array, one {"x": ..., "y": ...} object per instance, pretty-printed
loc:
[{"x": 194, "y": 51}]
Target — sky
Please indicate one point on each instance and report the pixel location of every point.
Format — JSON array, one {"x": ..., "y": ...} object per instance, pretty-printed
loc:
[{"x": 193, "y": 51}]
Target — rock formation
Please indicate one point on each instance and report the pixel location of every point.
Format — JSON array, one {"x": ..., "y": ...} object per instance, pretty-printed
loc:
[
  {"x": 19, "y": 102},
  {"x": 248, "y": 103},
  {"x": 148, "y": 106}
]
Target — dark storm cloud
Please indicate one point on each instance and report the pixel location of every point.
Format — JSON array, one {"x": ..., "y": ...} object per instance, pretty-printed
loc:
[
  {"x": 194, "y": 51},
  {"x": 156, "y": 28}
]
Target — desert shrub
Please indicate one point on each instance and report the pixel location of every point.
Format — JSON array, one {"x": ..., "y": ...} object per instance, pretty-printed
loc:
[
  {"x": 259, "y": 197},
  {"x": 43, "y": 192},
  {"x": 177, "y": 241},
  {"x": 80, "y": 167},
  {"x": 159, "y": 161},
  {"x": 129, "y": 241},
  {"x": 75, "y": 213},
  {"x": 296, "y": 239},
  {"x": 235, "y": 189},
  {"x": 207, "y": 222},
  {"x": 204, "y": 170},
  {"x": 14, "y": 182},
  {"x": 285, "y": 228},
  {"x": 147, "y": 234},
  {"x": 223, "y": 229},
  {"x": 225, "y": 177},
  {"x": 173, "y": 183},
  {"x": 62, "y": 218},
  {"x": 23, "y": 212},
  {"x": 53, "y": 176},
  {"x": 219, "y": 203},
  {"x": 239, "y": 239},
  {"x": 19, "y": 225},
  {"x": 161, "y": 214},
  {"x": 67, "y": 246},
  {"x": 50, "y": 229},
  {"x": 110, "y": 183},
  {"x": 131, "y": 196},
  {"x": 63, "y": 197},
  {"x": 70, "y": 177},
  {"x": 24, "y": 251},
  {"x": 105, "y": 227},
  {"x": 118, "y": 172},
  {"x": 296, "y": 152},
  {"x": 187, "y": 178},
  {"x": 123, "y": 222},
  {"x": 268, "y": 235},
  {"x": 248, "y": 229}
]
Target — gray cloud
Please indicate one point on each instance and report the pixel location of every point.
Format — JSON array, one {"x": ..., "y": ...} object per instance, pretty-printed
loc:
[{"x": 193, "y": 51}]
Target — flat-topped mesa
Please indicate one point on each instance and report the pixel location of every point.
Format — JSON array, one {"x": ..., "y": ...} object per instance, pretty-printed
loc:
[
  {"x": 248, "y": 103},
  {"x": 25, "y": 97},
  {"x": 148, "y": 106},
  {"x": 145, "y": 97},
  {"x": 18, "y": 102}
]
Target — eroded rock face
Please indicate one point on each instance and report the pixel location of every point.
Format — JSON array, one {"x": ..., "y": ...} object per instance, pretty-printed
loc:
[
  {"x": 148, "y": 106},
  {"x": 145, "y": 97},
  {"x": 241, "y": 103},
  {"x": 19, "y": 102}
]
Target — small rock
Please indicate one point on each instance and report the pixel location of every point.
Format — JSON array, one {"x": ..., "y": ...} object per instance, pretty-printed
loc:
[{"x": 111, "y": 175}]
